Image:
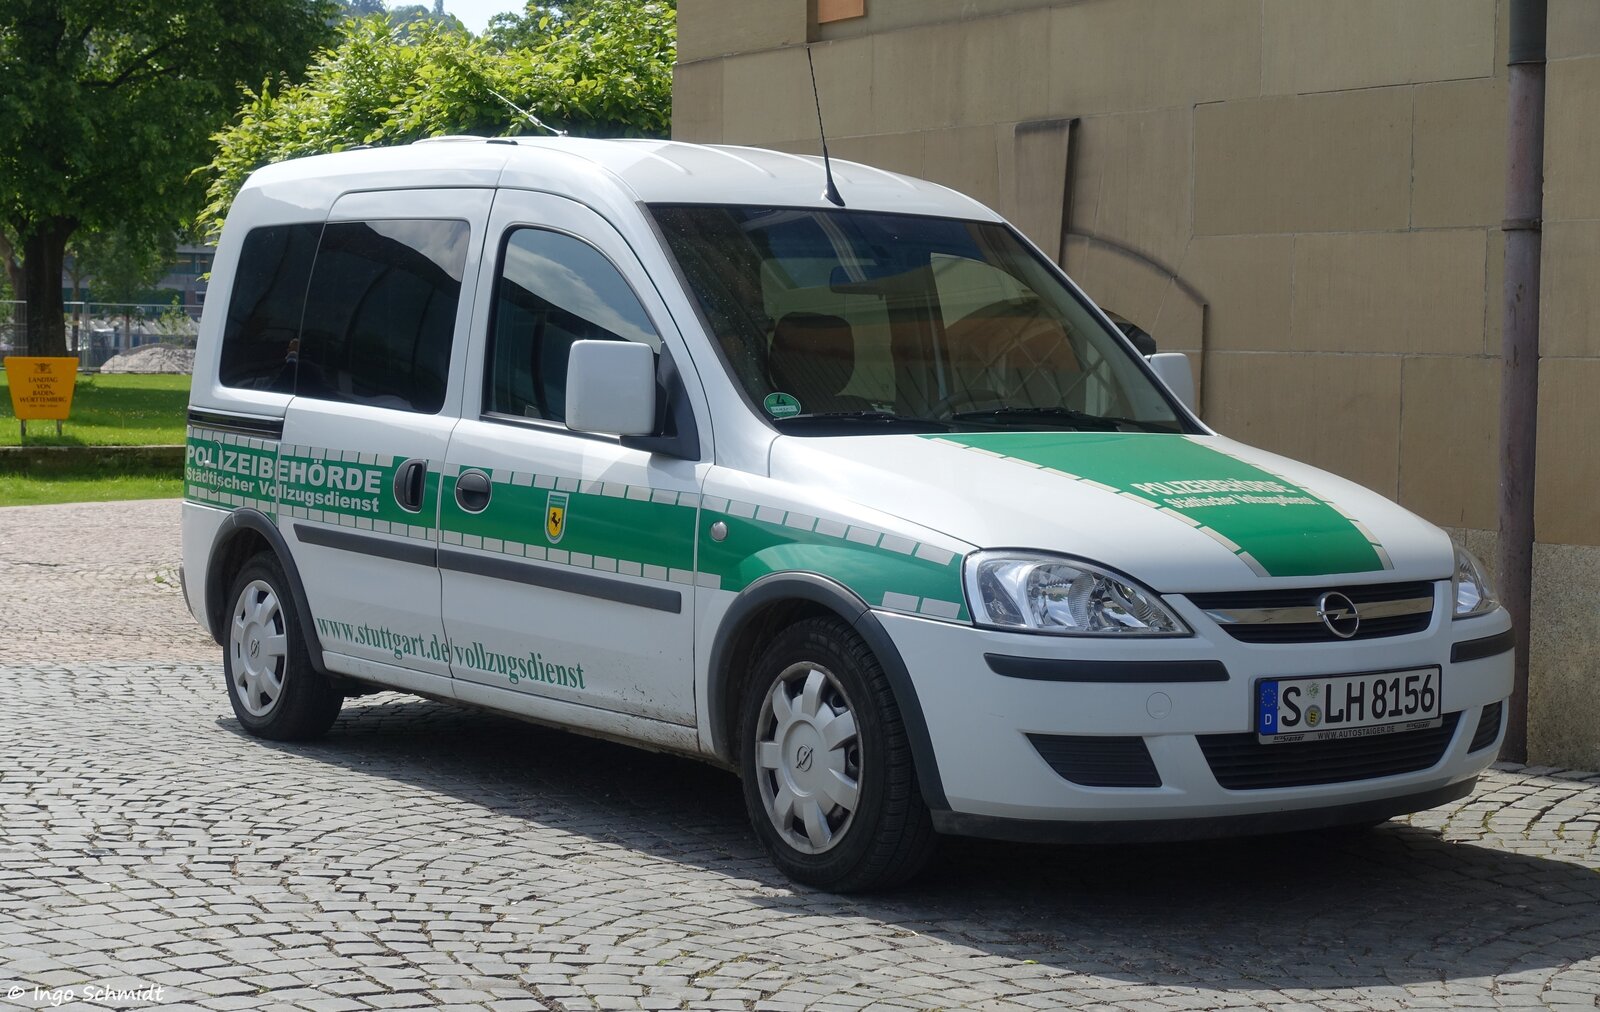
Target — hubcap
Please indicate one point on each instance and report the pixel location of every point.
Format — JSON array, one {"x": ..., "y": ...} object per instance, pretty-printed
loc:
[
  {"x": 808, "y": 758},
  {"x": 258, "y": 648}
]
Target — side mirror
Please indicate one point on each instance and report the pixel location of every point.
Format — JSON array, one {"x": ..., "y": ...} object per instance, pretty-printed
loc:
[
  {"x": 1173, "y": 369},
  {"x": 611, "y": 388},
  {"x": 1142, "y": 342}
]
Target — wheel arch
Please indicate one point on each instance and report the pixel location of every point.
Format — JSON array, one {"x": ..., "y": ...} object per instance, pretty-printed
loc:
[
  {"x": 242, "y": 536},
  {"x": 781, "y": 599}
]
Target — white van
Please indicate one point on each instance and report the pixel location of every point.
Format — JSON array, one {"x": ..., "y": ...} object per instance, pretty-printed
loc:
[{"x": 652, "y": 441}]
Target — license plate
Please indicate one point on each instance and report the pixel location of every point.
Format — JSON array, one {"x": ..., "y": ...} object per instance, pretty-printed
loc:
[{"x": 1346, "y": 706}]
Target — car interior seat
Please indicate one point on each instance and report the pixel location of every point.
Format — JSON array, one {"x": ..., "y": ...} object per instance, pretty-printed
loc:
[{"x": 812, "y": 358}]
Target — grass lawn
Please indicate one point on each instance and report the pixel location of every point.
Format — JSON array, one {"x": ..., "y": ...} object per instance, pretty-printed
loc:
[
  {"x": 115, "y": 410},
  {"x": 26, "y": 490}
]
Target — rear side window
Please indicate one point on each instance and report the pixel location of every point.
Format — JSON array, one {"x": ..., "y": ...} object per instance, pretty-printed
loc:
[
  {"x": 381, "y": 312},
  {"x": 553, "y": 290},
  {"x": 269, "y": 292}
]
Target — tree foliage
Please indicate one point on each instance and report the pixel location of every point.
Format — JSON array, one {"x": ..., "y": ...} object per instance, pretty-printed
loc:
[
  {"x": 121, "y": 265},
  {"x": 106, "y": 106},
  {"x": 400, "y": 14},
  {"x": 603, "y": 69},
  {"x": 362, "y": 8},
  {"x": 541, "y": 18}
]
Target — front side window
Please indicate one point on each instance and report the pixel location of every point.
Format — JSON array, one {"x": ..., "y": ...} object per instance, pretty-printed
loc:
[
  {"x": 381, "y": 313},
  {"x": 859, "y": 320},
  {"x": 553, "y": 290}
]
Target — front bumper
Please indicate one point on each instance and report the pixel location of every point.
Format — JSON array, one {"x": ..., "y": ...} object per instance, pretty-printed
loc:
[
  {"x": 1166, "y": 830},
  {"x": 997, "y": 783}
]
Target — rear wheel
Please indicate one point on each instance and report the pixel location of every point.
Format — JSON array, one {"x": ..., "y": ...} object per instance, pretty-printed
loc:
[
  {"x": 275, "y": 690},
  {"x": 829, "y": 781}
]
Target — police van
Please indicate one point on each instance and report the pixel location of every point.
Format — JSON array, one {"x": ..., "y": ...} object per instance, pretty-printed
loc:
[{"x": 855, "y": 494}]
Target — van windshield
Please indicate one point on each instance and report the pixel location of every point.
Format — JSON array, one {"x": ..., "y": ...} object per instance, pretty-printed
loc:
[{"x": 847, "y": 321}]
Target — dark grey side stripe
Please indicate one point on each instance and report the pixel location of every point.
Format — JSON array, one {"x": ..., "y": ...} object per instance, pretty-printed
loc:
[
  {"x": 261, "y": 428},
  {"x": 1060, "y": 669},
  {"x": 1477, "y": 650},
  {"x": 365, "y": 544},
  {"x": 587, "y": 584}
]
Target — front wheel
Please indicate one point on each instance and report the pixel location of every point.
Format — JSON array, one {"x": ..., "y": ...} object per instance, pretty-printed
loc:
[
  {"x": 829, "y": 781},
  {"x": 275, "y": 690}
]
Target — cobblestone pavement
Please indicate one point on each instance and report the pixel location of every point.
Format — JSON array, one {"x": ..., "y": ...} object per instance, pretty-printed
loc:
[
  {"x": 101, "y": 584},
  {"x": 427, "y": 856}
]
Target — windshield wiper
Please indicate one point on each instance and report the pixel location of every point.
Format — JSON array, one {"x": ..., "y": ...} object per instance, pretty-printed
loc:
[
  {"x": 872, "y": 416},
  {"x": 1062, "y": 416}
]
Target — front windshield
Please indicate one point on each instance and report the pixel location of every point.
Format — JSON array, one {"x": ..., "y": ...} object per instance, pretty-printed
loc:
[{"x": 845, "y": 321}]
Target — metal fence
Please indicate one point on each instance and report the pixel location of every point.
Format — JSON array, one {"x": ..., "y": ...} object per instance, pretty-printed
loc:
[
  {"x": 99, "y": 331},
  {"x": 13, "y": 321}
]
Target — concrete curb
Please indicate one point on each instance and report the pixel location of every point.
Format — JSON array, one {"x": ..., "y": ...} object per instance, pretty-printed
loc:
[{"x": 46, "y": 460}]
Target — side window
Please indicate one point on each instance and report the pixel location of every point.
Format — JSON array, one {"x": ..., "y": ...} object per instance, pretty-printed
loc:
[
  {"x": 381, "y": 313},
  {"x": 269, "y": 293},
  {"x": 553, "y": 290}
]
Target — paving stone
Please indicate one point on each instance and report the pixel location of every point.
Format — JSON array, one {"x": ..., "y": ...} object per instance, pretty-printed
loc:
[{"x": 423, "y": 855}]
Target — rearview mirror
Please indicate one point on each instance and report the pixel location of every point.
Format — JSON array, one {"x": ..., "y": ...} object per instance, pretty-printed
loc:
[
  {"x": 1173, "y": 369},
  {"x": 611, "y": 388}
]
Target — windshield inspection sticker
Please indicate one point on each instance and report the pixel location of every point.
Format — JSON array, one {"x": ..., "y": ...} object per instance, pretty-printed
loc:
[
  {"x": 781, "y": 405},
  {"x": 1273, "y": 525}
]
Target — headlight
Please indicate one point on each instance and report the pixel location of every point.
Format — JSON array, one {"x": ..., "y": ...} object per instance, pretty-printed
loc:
[
  {"x": 1474, "y": 592},
  {"x": 1042, "y": 593}
]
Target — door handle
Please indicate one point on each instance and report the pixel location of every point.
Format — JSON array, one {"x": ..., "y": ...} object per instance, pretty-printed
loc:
[
  {"x": 410, "y": 481},
  {"x": 472, "y": 491}
]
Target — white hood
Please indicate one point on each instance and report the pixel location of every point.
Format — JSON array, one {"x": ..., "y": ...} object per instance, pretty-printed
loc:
[{"x": 1178, "y": 513}]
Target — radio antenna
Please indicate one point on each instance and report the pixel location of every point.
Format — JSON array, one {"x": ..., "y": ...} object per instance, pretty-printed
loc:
[
  {"x": 832, "y": 192},
  {"x": 541, "y": 124}
]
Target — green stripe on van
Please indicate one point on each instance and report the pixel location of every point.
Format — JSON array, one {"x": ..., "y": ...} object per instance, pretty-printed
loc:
[
  {"x": 883, "y": 570},
  {"x": 1275, "y": 526},
  {"x": 628, "y": 527},
  {"x": 606, "y": 527}
]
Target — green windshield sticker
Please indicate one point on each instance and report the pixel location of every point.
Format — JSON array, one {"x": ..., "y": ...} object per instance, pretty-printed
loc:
[
  {"x": 781, "y": 405},
  {"x": 1273, "y": 525}
]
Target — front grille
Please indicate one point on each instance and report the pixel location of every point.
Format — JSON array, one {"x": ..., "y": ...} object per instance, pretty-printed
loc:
[
  {"x": 1240, "y": 763},
  {"x": 1252, "y": 609},
  {"x": 1488, "y": 728},
  {"x": 1098, "y": 760}
]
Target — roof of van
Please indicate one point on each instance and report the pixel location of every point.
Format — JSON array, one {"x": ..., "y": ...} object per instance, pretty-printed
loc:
[{"x": 656, "y": 171}]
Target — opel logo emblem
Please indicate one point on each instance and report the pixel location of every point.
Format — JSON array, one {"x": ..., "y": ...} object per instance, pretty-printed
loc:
[
  {"x": 1339, "y": 614},
  {"x": 255, "y": 648},
  {"x": 802, "y": 759}
]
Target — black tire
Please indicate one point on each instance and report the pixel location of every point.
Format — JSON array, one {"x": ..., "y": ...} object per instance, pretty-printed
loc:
[
  {"x": 305, "y": 703},
  {"x": 889, "y": 837}
]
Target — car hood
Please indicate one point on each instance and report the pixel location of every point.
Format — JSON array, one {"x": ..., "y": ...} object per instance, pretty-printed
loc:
[{"x": 1181, "y": 513}]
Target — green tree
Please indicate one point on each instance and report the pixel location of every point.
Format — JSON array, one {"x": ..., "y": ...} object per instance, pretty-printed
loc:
[
  {"x": 362, "y": 8},
  {"x": 402, "y": 15},
  {"x": 604, "y": 72},
  {"x": 540, "y": 20},
  {"x": 106, "y": 107},
  {"x": 120, "y": 265}
]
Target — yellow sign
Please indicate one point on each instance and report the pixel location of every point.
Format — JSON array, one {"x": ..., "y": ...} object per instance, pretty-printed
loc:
[{"x": 41, "y": 387}]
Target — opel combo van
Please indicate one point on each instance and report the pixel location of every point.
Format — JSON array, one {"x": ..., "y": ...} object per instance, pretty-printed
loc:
[{"x": 655, "y": 442}]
